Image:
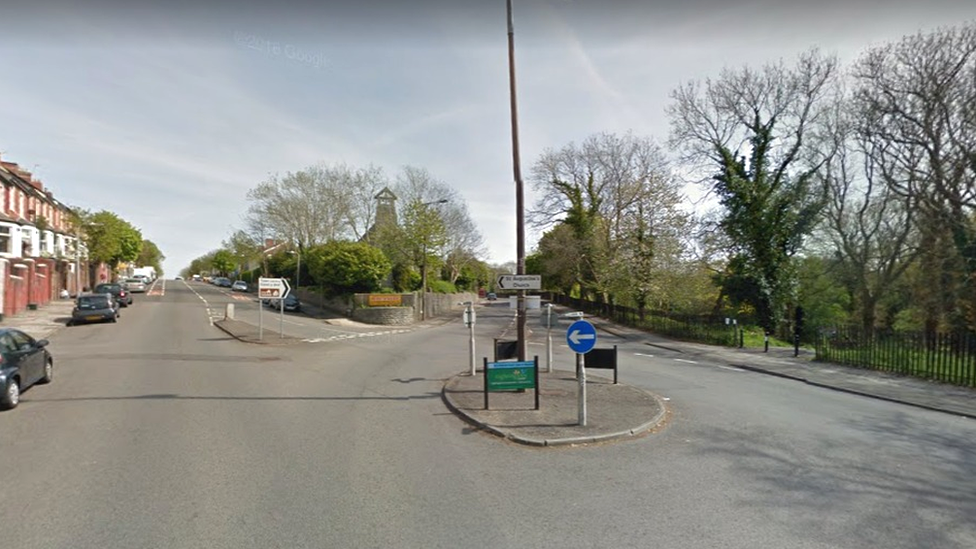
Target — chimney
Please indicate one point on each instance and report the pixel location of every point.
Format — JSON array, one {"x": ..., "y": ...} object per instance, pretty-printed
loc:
[
  {"x": 36, "y": 183},
  {"x": 16, "y": 169},
  {"x": 268, "y": 243}
]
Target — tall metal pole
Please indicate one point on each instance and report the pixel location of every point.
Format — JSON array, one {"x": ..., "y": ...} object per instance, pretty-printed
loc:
[
  {"x": 77, "y": 260},
  {"x": 519, "y": 194},
  {"x": 549, "y": 338},
  {"x": 471, "y": 336},
  {"x": 423, "y": 284}
]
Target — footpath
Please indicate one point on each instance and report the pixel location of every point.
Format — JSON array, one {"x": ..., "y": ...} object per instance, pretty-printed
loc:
[{"x": 614, "y": 411}]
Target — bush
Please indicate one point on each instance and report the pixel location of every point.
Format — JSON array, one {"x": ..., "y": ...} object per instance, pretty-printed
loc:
[
  {"x": 348, "y": 267},
  {"x": 441, "y": 287}
]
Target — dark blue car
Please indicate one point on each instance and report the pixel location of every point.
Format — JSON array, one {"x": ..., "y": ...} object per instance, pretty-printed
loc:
[
  {"x": 24, "y": 361},
  {"x": 94, "y": 308}
]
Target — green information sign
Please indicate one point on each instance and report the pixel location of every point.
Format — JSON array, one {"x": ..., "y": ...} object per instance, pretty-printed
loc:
[{"x": 507, "y": 376}]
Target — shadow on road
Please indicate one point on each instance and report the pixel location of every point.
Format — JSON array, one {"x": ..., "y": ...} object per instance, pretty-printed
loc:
[{"x": 170, "y": 396}]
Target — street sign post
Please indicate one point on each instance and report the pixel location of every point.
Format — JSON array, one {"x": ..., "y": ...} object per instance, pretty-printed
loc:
[
  {"x": 512, "y": 376},
  {"x": 581, "y": 338},
  {"x": 519, "y": 282},
  {"x": 469, "y": 320},
  {"x": 272, "y": 288}
]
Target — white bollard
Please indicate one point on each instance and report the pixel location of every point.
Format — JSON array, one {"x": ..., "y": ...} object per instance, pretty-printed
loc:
[{"x": 229, "y": 312}]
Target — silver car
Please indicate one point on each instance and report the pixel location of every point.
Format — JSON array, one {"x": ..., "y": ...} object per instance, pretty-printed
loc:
[{"x": 135, "y": 285}]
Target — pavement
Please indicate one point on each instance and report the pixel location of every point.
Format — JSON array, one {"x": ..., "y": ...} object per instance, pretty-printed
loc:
[{"x": 615, "y": 411}]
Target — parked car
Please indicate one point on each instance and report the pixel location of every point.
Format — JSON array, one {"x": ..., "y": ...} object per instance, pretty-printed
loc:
[
  {"x": 94, "y": 308},
  {"x": 292, "y": 303},
  {"x": 121, "y": 294},
  {"x": 178, "y": 277},
  {"x": 24, "y": 362},
  {"x": 135, "y": 285},
  {"x": 492, "y": 296},
  {"x": 239, "y": 286}
]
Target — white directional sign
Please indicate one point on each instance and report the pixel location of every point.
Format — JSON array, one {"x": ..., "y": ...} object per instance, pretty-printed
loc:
[
  {"x": 519, "y": 282},
  {"x": 273, "y": 288}
]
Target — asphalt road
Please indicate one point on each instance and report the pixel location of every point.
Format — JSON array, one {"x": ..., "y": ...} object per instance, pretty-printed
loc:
[{"x": 161, "y": 431}]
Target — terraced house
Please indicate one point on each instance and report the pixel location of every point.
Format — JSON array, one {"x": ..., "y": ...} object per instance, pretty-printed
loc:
[{"x": 40, "y": 251}]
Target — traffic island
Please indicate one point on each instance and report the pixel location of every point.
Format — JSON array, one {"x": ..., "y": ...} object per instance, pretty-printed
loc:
[
  {"x": 615, "y": 412},
  {"x": 249, "y": 333}
]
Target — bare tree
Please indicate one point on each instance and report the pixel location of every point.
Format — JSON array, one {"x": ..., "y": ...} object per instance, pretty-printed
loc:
[
  {"x": 308, "y": 207},
  {"x": 463, "y": 242},
  {"x": 618, "y": 196},
  {"x": 917, "y": 98},
  {"x": 361, "y": 186},
  {"x": 871, "y": 227}
]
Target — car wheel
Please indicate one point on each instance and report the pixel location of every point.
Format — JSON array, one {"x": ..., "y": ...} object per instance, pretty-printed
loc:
[
  {"x": 11, "y": 395},
  {"x": 48, "y": 372}
]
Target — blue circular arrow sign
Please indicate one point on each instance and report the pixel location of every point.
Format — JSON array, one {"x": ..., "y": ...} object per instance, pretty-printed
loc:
[{"x": 581, "y": 337}]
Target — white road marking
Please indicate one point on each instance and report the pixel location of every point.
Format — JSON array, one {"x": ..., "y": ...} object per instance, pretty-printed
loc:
[
  {"x": 688, "y": 361},
  {"x": 210, "y": 313},
  {"x": 353, "y": 336},
  {"x": 642, "y": 354},
  {"x": 731, "y": 368}
]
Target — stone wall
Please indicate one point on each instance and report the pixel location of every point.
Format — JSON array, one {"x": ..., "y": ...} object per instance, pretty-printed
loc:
[
  {"x": 352, "y": 307},
  {"x": 446, "y": 304},
  {"x": 387, "y": 316}
]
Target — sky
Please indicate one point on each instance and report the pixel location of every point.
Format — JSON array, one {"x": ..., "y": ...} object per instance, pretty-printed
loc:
[{"x": 167, "y": 113}]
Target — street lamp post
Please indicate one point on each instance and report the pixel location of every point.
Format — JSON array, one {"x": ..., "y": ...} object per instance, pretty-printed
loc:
[
  {"x": 519, "y": 193},
  {"x": 423, "y": 266},
  {"x": 77, "y": 260}
]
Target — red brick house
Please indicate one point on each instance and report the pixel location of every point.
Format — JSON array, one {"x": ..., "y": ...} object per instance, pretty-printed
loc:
[{"x": 39, "y": 249}]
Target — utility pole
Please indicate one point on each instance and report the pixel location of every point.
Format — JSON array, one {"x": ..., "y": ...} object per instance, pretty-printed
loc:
[
  {"x": 77, "y": 260},
  {"x": 519, "y": 194}
]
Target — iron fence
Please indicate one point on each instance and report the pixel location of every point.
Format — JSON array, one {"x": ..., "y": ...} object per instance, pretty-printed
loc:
[
  {"x": 940, "y": 356},
  {"x": 709, "y": 329}
]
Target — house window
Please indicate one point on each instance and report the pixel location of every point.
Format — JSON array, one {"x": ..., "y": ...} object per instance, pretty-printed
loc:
[{"x": 5, "y": 241}]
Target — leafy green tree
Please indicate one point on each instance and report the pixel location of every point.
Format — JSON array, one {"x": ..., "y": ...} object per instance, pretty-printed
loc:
[
  {"x": 151, "y": 256},
  {"x": 404, "y": 277},
  {"x": 202, "y": 265},
  {"x": 824, "y": 298},
  {"x": 751, "y": 130},
  {"x": 243, "y": 247},
  {"x": 111, "y": 239},
  {"x": 422, "y": 237},
  {"x": 556, "y": 259},
  {"x": 223, "y": 262},
  {"x": 474, "y": 275},
  {"x": 347, "y": 267}
]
